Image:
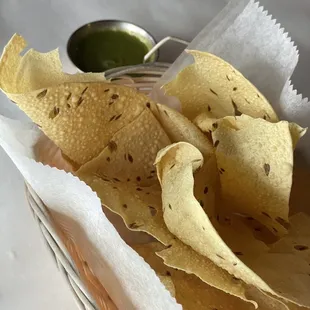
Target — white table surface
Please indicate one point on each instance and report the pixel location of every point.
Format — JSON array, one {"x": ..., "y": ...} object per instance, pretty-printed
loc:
[{"x": 29, "y": 279}]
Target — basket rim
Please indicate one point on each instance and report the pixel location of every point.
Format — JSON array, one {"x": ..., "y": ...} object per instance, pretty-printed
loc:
[
  {"x": 154, "y": 67},
  {"x": 61, "y": 255}
]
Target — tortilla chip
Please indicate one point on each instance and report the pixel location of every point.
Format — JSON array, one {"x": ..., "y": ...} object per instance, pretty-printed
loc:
[
  {"x": 206, "y": 123},
  {"x": 297, "y": 133},
  {"x": 300, "y": 194},
  {"x": 184, "y": 216},
  {"x": 296, "y": 307},
  {"x": 191, "y": 292},
  {"x": 124, "y": 177},
  {"x": 213, "y": 85},
  {"x": 207, "y": 189},
  {"x": 255, "y": 162},
  {"x": 140, "y": 207},
  {"x": 129, "y": 155},
  {"x": 168, "y": 283},
  {"x": 300, "y": 224},
  {"x": 297, "y": 242},
  {"x": 81, "y": 118},
  {"x": 182, "y": 257},
  {"x": 179, "y": 129},
  {"x": 240, "y": 239},
  {"x": 266, "y": 301},
  {"x": 34, "y": 70},
  {"x": 286, "y": 267},
  {"x": 259, "y": 231},
  {"x": 287, "y": 274}
]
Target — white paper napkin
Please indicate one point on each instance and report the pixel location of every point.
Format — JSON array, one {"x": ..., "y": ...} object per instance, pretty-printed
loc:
[{"x": 252, "y": 41}]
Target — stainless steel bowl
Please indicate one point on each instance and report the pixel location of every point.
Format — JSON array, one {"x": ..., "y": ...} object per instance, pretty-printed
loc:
[{"x": 130, "y": 28}]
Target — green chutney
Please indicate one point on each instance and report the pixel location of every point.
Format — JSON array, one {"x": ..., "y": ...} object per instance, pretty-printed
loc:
[{"x": 107, "y": 49}]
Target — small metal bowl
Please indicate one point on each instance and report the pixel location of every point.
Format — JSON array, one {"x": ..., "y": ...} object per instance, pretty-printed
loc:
[{"x": 116, "y": 25}]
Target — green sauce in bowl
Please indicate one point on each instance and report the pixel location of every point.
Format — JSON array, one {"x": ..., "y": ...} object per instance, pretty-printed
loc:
[{"x": 100, "y": 46}]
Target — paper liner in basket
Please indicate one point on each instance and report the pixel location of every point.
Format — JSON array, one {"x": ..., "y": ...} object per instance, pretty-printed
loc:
[{"x": 129, "y": 281}]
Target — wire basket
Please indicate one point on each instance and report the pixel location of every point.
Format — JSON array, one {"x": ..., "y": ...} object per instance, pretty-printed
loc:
[{"x": 88, "y": 292}]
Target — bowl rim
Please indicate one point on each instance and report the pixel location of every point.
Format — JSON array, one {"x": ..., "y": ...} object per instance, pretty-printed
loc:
[{"x": 149, "y": 36}]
